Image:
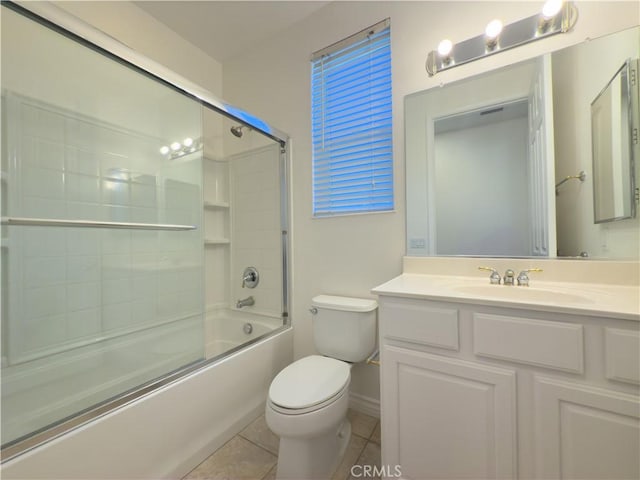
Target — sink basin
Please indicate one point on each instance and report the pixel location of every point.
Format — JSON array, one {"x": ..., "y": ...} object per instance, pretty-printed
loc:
[{"x": 523, "y": 294}]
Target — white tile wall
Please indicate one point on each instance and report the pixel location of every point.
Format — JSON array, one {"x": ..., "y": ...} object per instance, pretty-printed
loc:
[
  {"x": 78, "y": 284},
  {"x": 256, "y": 232}
]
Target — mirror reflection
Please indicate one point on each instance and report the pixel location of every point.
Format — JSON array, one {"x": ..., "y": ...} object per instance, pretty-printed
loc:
[
  {"x": 612, "y": 141},
  {"x": 483, "y": 157}
]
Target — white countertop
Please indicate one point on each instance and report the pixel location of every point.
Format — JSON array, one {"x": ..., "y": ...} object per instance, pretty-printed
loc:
[{"x": 602, "y": 300}]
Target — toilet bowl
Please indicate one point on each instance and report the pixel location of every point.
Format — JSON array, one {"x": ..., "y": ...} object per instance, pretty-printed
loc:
[{"x": 308, "y": 400}]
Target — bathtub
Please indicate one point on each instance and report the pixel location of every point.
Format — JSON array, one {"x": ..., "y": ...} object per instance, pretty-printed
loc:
[
  {"x": 228, "y": 329},
  {"x": 169, "y": 431}
]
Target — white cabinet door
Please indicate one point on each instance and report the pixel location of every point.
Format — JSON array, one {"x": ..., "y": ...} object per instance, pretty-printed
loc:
[
  {"x": 447, "y": 418},
  {"x": 585, "y": 432}
]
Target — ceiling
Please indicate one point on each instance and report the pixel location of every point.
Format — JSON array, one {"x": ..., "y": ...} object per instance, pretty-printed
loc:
[{"x": 224, "y": 29}]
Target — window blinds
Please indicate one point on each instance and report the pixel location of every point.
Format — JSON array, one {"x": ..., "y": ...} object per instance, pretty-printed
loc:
[{"x": 351, "y": 125}]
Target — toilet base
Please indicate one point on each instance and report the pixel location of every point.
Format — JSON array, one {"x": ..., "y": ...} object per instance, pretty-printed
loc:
[{"x": 313, "y": 458}]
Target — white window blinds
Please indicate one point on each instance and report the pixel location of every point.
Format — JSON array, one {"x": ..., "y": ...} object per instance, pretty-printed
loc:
[{"x": 351, "y": 125}]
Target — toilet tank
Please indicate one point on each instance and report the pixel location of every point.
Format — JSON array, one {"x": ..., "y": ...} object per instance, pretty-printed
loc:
[{"x": 343, "y": 327}]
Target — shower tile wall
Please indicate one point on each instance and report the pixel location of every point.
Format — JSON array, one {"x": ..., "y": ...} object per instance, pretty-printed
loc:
[
  {"x": 257, "y": 239},
  {"x": 81, "y": 283},
  {"x": 102, "y": 310}
]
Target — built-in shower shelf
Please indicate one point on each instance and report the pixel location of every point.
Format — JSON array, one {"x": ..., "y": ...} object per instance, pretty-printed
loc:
[
  {"x": 217, "y": 241},
  {"x": 216, "y": 205}
]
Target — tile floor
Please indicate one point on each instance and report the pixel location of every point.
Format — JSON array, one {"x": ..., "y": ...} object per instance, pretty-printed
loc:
[{"x": 253, "y": 453}]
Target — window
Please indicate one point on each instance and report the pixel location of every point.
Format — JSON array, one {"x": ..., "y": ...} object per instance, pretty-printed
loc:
[{"x": 351, "y": 124}]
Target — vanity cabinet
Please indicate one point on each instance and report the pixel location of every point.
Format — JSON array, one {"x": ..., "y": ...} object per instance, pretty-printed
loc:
[{"x": 481, "y": 391}]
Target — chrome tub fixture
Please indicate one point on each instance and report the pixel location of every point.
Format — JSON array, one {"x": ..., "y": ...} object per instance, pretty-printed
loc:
[
  {"x": 556, "y": 17},
  {"x": 250, "y": 277},
  {"x": 245, "y": 302}
]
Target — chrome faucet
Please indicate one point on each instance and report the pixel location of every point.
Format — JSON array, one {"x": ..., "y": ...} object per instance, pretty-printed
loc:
[
  {"x": 523, "y": 278},
  {"x": 494, "y": 278},
  {"x": 509, "y": 276},
  {"x": 245, "y": 302}
]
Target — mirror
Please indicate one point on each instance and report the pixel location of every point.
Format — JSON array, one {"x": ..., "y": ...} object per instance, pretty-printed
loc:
[
  {"x": 612, "y": 145},
  {"x": 484, "y": 156}
]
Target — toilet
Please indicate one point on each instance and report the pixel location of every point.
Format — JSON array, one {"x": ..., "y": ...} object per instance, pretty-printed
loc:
[{"x": 308, "y": 400}]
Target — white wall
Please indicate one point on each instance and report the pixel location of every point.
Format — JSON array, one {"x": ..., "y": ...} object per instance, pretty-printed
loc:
[
  {"x": 141, "y": 32},
  {"x": 350, "y": 255},
  {"x": 482, "y": 170}
]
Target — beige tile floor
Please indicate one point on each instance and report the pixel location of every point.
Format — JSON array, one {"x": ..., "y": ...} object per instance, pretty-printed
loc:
[{"x": 253, "y": 453}]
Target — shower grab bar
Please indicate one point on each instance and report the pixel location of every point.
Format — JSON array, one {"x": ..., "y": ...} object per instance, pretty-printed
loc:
[{"x": 55, "y": 222}]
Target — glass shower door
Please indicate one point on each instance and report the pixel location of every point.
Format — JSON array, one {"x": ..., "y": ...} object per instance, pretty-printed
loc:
[{"x": 101, "y": 253}]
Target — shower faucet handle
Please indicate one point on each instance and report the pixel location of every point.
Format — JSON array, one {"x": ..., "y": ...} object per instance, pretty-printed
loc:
[{"x": 250, "y": 277}]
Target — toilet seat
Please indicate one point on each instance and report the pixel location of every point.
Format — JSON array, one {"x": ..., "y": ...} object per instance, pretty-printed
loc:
[{"x": 309, "y": 384}]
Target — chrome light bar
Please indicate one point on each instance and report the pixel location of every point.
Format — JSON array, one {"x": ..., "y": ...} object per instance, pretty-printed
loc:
[{"x": 498, "y": 38}]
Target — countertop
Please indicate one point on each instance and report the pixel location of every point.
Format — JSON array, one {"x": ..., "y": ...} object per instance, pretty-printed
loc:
[{"x": 601, "y": 300}]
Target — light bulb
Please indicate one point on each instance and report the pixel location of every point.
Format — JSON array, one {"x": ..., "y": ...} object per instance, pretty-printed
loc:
[
  {"x": 551, "y": 8},
  {"x": 164, "y": 150},
  {"x": 493, "y": 29},
  {"x": 187, "y": 142},
  {"x": 445, "y": 47},
  {"x": 175, "y": 146}
]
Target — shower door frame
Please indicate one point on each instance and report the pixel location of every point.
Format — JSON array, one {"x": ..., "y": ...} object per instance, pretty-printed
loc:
[{"x": 71, "y": 27}]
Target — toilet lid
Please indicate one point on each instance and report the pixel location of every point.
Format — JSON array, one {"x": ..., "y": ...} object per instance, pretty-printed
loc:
[{"x": 309, "y": 381}]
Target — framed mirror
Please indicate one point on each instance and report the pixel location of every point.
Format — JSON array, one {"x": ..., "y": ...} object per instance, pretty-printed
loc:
[
  {"x": 503, "y": 194},
  {"x": 612, "y": 138}
]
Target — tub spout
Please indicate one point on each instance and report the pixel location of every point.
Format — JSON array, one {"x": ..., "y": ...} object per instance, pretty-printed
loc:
[{"x": 245, "y": 302}]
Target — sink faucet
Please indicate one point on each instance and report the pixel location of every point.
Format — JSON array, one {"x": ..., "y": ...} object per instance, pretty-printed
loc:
[
  {"x": 509, "y": 276},
  {"x": 494, "y": 278},
  {"x": 523, "y": 278},
  {"x": 245, "y": 302}
]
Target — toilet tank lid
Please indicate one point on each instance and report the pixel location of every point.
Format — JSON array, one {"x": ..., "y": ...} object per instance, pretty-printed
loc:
[{"x": 346, "y": 304}]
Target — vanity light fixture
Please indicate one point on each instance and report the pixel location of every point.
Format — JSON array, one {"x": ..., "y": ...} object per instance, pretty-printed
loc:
[
  {"x": 444, "y": 49},
  {"x": 492, "y": 34},
  {"x": 556, "y": 17},
  {"x": 177, "y": 149}
]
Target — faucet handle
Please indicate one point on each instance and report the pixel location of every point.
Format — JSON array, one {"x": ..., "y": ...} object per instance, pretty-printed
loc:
[
  {"x": 494, "y": 278},
  {"x": 250, "y": 277},
  {"x": 523, "y": 278}
]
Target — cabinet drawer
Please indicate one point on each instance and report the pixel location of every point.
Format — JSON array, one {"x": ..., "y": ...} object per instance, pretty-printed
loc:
[
  {"x": 416, "y": 322},
  {"x": 622, "y": 355},
  {"x": 555, "y": 345}
]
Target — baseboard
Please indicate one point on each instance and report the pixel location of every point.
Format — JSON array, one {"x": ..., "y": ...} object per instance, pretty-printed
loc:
[{"x": 363, "y": 404}]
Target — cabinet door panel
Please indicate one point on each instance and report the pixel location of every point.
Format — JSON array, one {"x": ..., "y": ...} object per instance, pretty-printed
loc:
[
  {"x": 622, "y": 355},
  {"x": 585, "y": 432},
  {"x": 447, "y": 418}
]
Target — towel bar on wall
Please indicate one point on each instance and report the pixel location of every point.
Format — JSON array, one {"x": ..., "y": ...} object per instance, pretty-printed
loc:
[
  {"x": 373, "y": 358},
  {"x": 580, "y": 176},
  {"x": 55, "y": 222}
]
